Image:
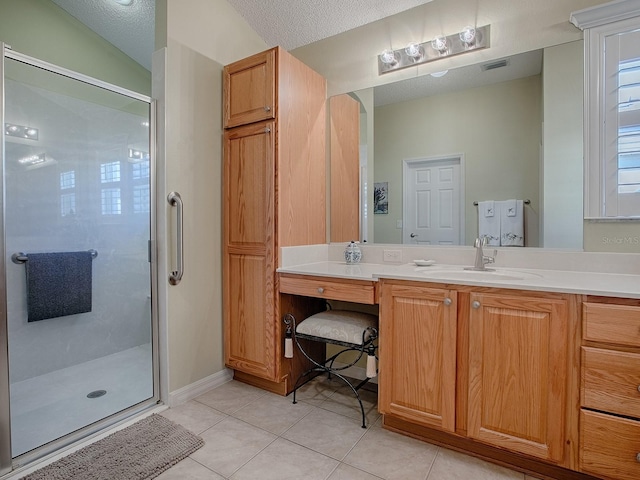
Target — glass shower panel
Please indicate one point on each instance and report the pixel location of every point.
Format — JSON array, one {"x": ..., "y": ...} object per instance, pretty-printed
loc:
[{"x": 77, "y": 227}]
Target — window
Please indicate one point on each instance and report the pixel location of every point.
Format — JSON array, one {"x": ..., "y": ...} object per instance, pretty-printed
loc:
[
  {"x": 612, "y": 113},
  {"x": 141, "y": 199},
  {"x": 111, "y": 203},
  {"x": 67, "y": 204},
  {"x": 67, "y": 180},
  {"x": 110, "y": 172},
  {"x": 140, "y": 170}
]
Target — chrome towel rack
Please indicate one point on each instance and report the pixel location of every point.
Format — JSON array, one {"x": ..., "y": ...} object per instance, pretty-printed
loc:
[
  {"x": 526, "y": 202},
  {"x": 19, "y": 258}
]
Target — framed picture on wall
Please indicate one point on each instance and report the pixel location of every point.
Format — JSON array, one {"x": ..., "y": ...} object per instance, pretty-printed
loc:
[{"x": 381, "y": 197}]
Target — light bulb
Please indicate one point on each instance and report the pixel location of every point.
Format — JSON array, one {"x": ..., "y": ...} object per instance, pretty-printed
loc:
[
  {"x": 468, "y": 36},
  {"x": 439, "y": 44},
  {"x": 413, "y": 50},
  {"x": 388, "y": 57}
]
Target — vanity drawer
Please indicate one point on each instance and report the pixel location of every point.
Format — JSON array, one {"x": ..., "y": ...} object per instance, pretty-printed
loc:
[
  {"x": 357, "y": 291},
  {"x": 610, "y": 446},
  {"x": 611, "y": 381},
  {"x": 619, "y": 324}
]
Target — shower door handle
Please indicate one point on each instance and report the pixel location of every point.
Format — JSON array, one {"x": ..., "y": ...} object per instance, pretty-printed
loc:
[{"x": 175, "y": 200}]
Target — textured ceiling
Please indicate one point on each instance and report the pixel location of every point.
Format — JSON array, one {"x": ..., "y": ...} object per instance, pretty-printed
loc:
[
  {"x": 291, "y": 24},
  {"x": 129, "y": 28},
  {"x": 294, "y": 23}
]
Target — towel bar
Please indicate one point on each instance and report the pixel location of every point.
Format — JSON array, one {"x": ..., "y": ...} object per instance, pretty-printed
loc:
[
  {"x": 20, "y": 257},
  {"x": 526, "y": 202}
]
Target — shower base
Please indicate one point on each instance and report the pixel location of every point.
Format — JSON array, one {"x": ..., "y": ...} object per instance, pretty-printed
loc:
[{"x": 47, "y": 407}]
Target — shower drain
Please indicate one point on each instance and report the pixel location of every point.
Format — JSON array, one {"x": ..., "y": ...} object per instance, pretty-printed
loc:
[{"x": 96, "y": 393}]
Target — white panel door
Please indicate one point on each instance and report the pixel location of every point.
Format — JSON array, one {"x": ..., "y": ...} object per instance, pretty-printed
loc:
[{"x": 432, "y": 202}]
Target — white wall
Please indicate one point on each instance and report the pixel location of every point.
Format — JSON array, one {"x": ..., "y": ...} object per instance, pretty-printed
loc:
[{"x": 202, "y": 36}]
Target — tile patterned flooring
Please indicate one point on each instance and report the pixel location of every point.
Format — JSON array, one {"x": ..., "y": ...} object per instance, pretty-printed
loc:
[{"x": 251, "y": 434}]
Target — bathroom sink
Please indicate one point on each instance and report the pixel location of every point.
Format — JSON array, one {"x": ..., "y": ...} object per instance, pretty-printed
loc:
[{"x": 488, "y": 275}]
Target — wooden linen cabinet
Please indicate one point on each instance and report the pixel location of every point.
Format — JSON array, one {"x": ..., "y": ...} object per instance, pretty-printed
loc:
[{"x": 274, "y": 196}]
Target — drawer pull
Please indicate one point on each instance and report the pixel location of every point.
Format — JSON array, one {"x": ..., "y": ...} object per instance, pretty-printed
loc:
[
  {"x": 321, "y": 290},
  {"x": 447, "y": 302},
  {"x": 475, "y": 304}
]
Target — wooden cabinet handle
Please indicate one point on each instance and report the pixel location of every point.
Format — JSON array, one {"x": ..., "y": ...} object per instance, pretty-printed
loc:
[
  {"x": 320, "y": 290},
  {"x": 475, "y": 304},
  {"x": 447, "y": 301}
]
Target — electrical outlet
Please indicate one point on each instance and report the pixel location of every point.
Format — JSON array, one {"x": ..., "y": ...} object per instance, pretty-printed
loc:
[{"x": 392, "y": 256}]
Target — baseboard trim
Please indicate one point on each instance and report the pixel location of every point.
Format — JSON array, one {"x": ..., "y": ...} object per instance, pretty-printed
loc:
[{"x": 189, "y": 392}]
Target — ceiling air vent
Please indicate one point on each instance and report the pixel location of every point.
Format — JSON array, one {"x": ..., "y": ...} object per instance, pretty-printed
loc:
[{"x": 494, "y": 65}]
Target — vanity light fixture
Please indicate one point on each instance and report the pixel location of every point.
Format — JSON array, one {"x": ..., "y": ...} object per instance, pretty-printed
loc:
[
  {"x": 467, "y": 40},
  {"x": 20, "y": 131}
]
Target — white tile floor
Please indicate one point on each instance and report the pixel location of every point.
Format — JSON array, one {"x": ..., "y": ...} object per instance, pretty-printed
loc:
[
  {"x": 49, "y": 406},
  {"x": 257, "y": 435}
]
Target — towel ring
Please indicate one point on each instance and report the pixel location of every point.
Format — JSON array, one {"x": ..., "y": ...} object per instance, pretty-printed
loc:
[{"x": 20, "y": 257}]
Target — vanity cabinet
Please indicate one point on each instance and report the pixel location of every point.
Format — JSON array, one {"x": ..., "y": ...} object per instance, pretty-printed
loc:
[
  {"x": 610, "y": 389},
  {"x": 488, "y": 366},
  {"x": 417, "y": 348},
  {"x": 518, "y": 372},
  {"x": 273, "y": 196}
]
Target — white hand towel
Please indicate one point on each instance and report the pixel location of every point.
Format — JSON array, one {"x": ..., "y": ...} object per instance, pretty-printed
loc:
[
  {"x": 489, "y": 222},
  {"x": 511, "y": 223}
]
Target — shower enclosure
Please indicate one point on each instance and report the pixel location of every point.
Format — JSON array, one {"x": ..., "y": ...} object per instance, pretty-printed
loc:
[{"x": 78, "y": 329}]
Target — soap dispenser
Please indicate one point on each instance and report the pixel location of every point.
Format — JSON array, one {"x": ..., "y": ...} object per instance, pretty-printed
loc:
[{"x": 352, "y": 254}]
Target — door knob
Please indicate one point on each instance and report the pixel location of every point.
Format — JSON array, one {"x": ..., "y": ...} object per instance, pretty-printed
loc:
[{"x": 413, "y": 235}]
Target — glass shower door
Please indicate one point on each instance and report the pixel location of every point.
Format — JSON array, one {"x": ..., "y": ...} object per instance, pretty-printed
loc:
[{"x": 77, "y": 257}]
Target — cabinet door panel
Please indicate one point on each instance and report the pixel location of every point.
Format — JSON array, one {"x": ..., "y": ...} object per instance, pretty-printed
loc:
[
  {"x": 517, "y": 373},
  {"x": 249, "y": 185},
  {"x": 249, "y": 90},
  {"x": 418, "y": 355},
  {"x": 250, "y": 330}
]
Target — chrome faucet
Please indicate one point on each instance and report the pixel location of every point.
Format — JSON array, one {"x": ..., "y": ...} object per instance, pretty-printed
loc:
[{"x": 481, "y": 258}]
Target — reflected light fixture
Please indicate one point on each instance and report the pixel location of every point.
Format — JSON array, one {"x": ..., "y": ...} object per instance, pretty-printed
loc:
[
  {"x": 439, "y": 74},
  {"x": 126, "y": 3},
  {"x": 467, "y": 40},
  {"x": 33, "y": 159},
  {"x": 20, "y": 131},
  {"x": 137, "y": 155}
]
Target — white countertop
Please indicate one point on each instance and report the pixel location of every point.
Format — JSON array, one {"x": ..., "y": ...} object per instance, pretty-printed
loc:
[{"x": 560, "y": 281}]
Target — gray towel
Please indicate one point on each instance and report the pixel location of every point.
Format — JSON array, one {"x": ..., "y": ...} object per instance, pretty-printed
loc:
[{"x": 58, "y": 284}]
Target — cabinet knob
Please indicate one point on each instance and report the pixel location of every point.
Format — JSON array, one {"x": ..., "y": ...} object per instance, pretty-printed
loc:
[
  {"x": 267, "y": 130},
  {"x": 320, "y": 290},
  {"x": 637, "y": 457},
  {"x": 638, "y": 388},
  {"x": 267, "y": 108},
  {"x": 447, "y": 301},
  {"x": 476, "y": 304}
]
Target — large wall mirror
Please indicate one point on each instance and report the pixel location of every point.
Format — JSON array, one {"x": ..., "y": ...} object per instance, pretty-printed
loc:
[
  {"x": 505, "y": 129},
  {"x": 515, "y": 131}
]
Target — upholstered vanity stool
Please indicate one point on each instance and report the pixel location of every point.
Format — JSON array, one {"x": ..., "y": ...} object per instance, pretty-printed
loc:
[{"x": 355, "y": 331}]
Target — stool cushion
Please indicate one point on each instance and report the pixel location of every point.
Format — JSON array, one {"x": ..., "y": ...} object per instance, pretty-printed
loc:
[{"x": 340, "y": 325}]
